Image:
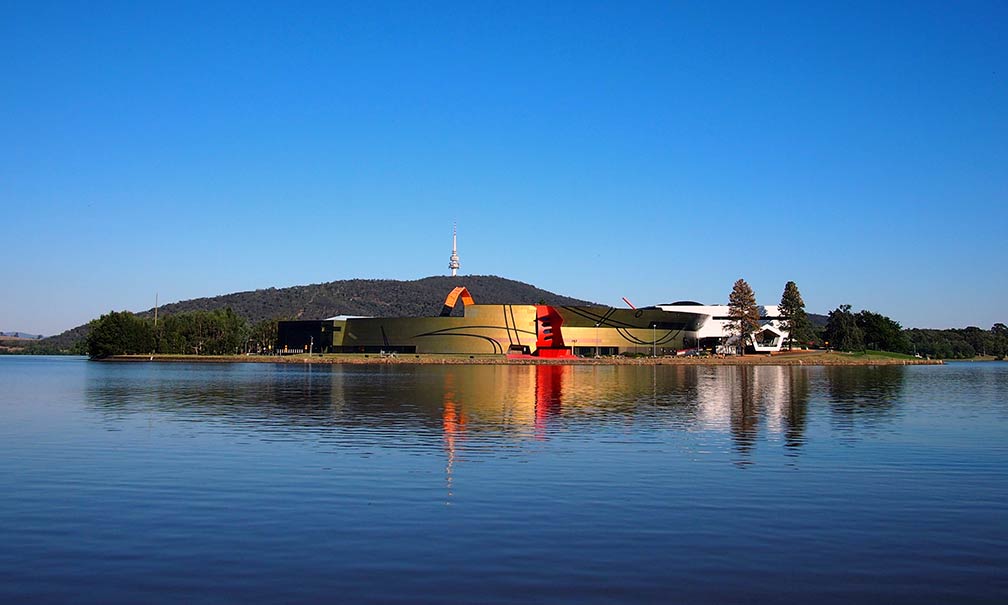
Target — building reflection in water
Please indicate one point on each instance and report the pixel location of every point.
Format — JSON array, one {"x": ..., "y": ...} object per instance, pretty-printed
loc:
[
  {"x": 491, "y": 408},
  {"x": 739, "y": 400},
  {"x": 499, "y": 400}
]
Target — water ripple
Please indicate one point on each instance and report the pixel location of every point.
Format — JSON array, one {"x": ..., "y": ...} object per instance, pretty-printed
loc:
[{"x": 158, "y": 482}]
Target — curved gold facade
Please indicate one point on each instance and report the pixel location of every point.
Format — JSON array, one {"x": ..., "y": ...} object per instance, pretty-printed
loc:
[
  {"x": 485, "y": 330},
  {"x": 502, "y": 329}
]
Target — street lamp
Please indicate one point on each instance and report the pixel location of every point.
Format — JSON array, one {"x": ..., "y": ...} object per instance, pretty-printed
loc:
[
  {"x": 654, "y": 340},
  {"x": 596, "y": 338}
]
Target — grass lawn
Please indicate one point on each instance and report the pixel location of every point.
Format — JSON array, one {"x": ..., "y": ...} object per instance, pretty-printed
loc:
[{"x": 880, "y": 355}]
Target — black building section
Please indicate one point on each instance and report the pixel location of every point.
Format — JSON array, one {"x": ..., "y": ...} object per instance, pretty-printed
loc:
[
  {"x": 314, "y": 335},
  {"x": 325, "y": 336}
]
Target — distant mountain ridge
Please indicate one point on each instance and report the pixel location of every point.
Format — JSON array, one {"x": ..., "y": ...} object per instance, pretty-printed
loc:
[
  {"x": 368, "y": 297},
  {"x": 19, "y": 335}
]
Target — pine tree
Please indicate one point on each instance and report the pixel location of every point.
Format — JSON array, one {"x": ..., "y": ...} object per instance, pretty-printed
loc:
[
  {"x": 744, "y": 314},
  {"x": 792, "y": 309}
]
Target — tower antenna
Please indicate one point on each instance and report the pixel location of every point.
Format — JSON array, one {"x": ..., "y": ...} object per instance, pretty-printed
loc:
[{"x": 453, "y": 260}]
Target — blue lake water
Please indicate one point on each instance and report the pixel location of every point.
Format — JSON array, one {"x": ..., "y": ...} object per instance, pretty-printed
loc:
[{"x": 150, "y": 482}]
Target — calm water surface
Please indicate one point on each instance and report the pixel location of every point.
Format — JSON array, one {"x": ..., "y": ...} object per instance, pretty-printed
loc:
[{"x": 447, "y": 484}]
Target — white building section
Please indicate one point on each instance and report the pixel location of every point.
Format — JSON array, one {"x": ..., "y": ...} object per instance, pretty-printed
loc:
[
  {"x": 713, "y": 331},
  {"x": 453, "y": 260}
]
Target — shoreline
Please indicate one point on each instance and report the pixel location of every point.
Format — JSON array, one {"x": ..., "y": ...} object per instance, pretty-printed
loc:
[{"x": 804, "y": 358}]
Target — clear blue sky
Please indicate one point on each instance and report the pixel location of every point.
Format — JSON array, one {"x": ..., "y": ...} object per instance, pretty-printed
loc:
[{"x": 657, "y": 151}]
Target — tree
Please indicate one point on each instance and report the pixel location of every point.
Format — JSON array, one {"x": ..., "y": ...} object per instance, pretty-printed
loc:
[
  {"x": 792, "y": 309},
  {"x": 263, "y": 336},
  {"x": 881, "y": 333},
  {"x": 999, "y": 332},
  {"x": 977, "y": 339},
  {"x": 842, "y": 331},
  {"x": 119, "y": 333},
  {"x": 744, "y": 316}
]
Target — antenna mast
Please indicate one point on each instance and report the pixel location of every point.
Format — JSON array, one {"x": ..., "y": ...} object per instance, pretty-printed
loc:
[{"x": 453, "y": 260}]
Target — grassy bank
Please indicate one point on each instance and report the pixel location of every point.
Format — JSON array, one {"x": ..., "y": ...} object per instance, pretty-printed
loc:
[
  {"x": 803, "y": 358},
  {"x": 881, "y": 355}
]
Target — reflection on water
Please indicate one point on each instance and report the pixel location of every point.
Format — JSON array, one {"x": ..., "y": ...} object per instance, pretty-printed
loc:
[
  {"x": 864, "y": 398},
  {"x": 744, "y": 398},
  {"x": 508, "y": 403},
  {"x": 452, "y": 484},
  {"x": 796, "y": 409}
]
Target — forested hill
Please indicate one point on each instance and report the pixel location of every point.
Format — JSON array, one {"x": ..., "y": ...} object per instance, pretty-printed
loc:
[{"x": 369, "y": 297}]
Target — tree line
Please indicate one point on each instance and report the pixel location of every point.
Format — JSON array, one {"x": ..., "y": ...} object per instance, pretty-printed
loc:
[
  {"x": 846, "y": 330},
  {"x": 961, "y": 343},
  {"x": 217, "y": 332},
  {"x": 865, "y": 330}
]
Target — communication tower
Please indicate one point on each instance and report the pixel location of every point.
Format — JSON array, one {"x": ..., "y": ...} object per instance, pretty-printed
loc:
[{"x": 453, "y": 260}]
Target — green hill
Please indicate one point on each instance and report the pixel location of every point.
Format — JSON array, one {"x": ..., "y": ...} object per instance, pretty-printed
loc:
[{"x": 369, "y": 297}]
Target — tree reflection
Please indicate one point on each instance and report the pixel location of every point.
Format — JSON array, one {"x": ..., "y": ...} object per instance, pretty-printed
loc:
[
  {"x": 301, "y": 396},
  {"x": 741, "y": 399},
  {"x": 797, "y": 409},
  {"x": 744, "y": 408},
  {"x": 864, "y": 395}
]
